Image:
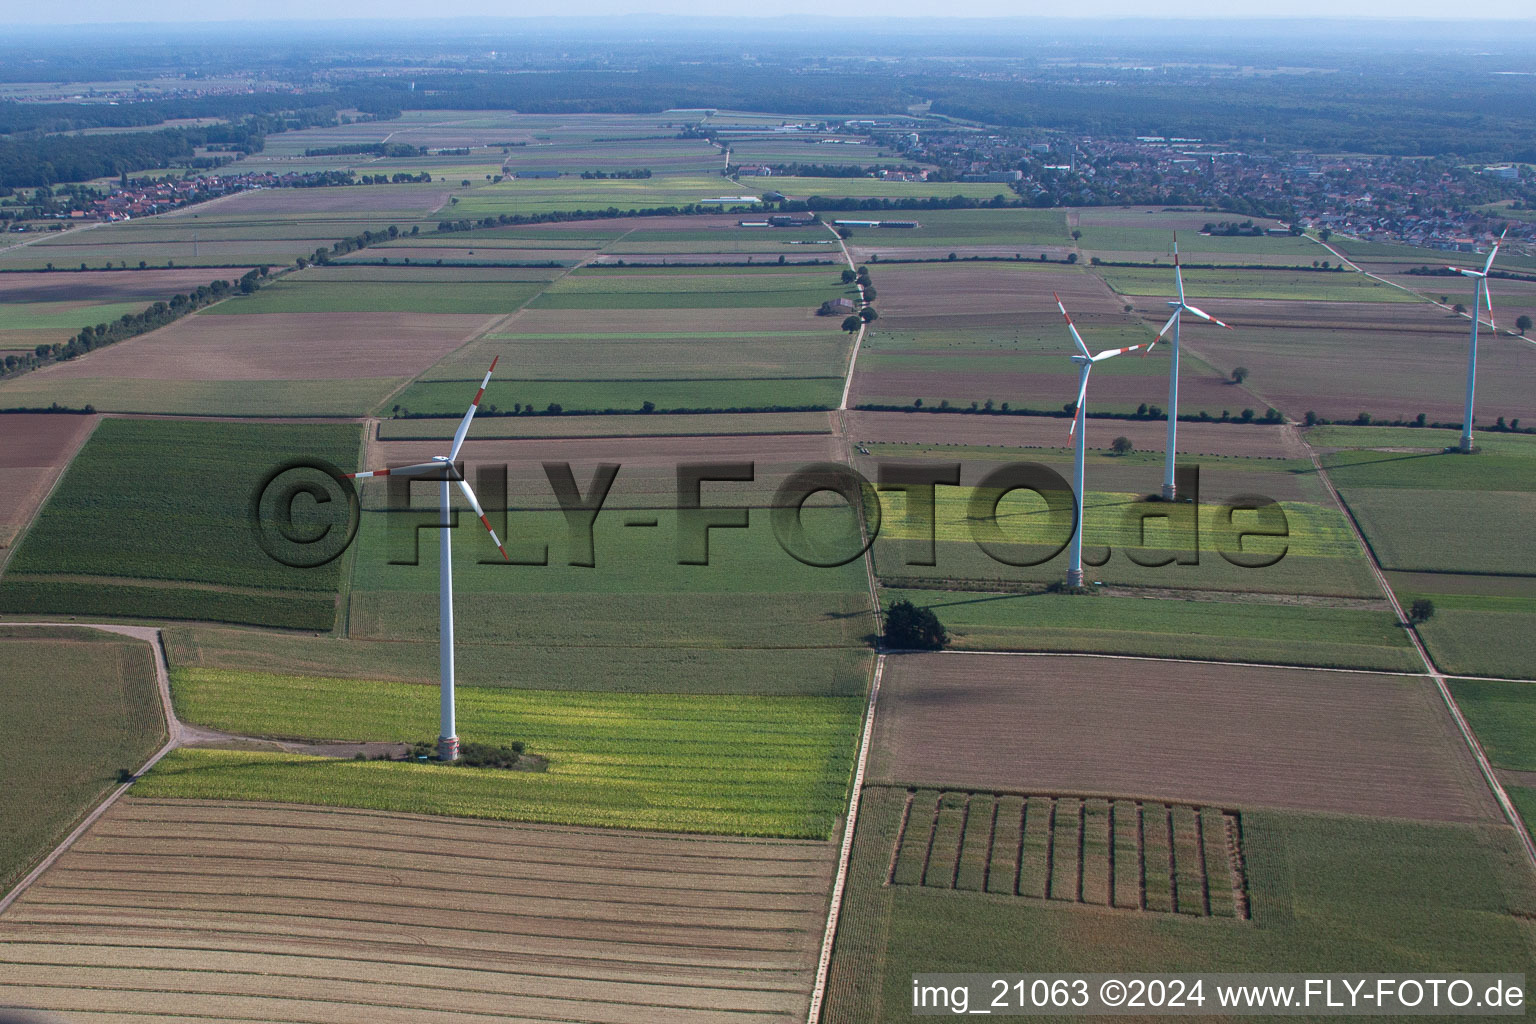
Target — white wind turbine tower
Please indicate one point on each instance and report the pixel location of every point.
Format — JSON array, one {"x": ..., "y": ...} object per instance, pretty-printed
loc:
[
  {"x": 1480, "y": 295},
  {"x": 1084, "y": 360},
  {"x": 1179, "y": 308},
  {"x": 448, "y": 739}
]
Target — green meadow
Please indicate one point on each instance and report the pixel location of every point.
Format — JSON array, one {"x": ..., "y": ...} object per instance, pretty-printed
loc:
[
  {"x": 694, "y": 763},
  {"x": 107, "y": 683},
  {"x": 1271, "y": 633},
  {"x": 1329, "y": 893}
]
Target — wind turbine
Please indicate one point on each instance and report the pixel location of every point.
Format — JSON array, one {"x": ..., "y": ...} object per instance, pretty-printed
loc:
[
  {"x": 1179, "y": 308},
  {"x": 1480, "y": 294},
  {"x": 1084, "y": 360},
  {"x": 448, "y": 739}
]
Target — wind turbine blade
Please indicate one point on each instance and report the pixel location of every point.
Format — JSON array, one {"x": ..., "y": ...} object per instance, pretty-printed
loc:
[
  {"x": 1109, "y": 353},
  {"x": 1167, "y": 326},
  {"x": 1178, "y": 272},
  {"x": 1202, "y": 314},
  {"x": 474, "y": 504},
  {"x": 420, "y": 467},
  {"x": 458, "y": 436},
  {"x": 1082, "y": 392},
  {"x": 1467, "y": 273},
  {"x": 1488, "y": 301},
  {"x": 1494, "y": 252},
  {"x": 1071, "y": 326}
]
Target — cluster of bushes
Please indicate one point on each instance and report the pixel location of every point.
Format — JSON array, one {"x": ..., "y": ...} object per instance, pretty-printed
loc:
[
  {"x": 556, "y": 409},
  {"x": 560, "y": 216},
  {"x": 398, "y": 178},
  {"x": 389, "y": 149},
  {"x": 637, "y": 172},
  {"x": 475, "y": 755},
  {"x": 1318, "y": 266},
  {"x": 1232, "y": 229},
  {"x": 910, "y": 628},
  {"x": 832, "y": 170},
  {"x": 131, "y": 325},
  {"x": 1143, "y": 412},
  {"x": 1365, "y": 419},
  {"x": 323, "y": 255}
]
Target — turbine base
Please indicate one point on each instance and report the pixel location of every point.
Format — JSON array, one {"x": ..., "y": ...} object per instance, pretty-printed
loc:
[
  {"x": 1074, "y": 577},
  {"x": 1170, "y": 492},
  {"x": 448, "y": 748}
]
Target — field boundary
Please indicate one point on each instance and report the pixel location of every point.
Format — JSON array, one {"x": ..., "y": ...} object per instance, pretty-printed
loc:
[
  {"x": 845, "y": 853},
  {"x": 173, "y": 734},
  {"x": 853, "y": 356},
  {"x": 1511, "y": 814}
]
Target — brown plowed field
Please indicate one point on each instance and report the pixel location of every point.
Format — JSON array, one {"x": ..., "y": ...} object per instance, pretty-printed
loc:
[
  {"x": 648, "y": 465},
  {"x": 1205, "y": 734},
  {"x": 407, "y": 199},
  {"x": 970, "y": 289},
  {"x": 281, "y": 346},
  {"x": 671, "y": 322},
  {"x": 34, "y": 449},
  {"x": 296, "y": 914},
  {"x": 100, "y": 286},
  {"x": 1051, "y": 432}
]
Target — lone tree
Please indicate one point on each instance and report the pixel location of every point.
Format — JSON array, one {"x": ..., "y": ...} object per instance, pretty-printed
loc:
[
  {"x": 851, "y": 324},
  {"x": 1122, "y": 445},
  {"x": 1421, "y": 610},
  {"x": 1239, "y": 375},
  {"x": 1522, "y": 323},
  {"x": 908, "y": 627}
]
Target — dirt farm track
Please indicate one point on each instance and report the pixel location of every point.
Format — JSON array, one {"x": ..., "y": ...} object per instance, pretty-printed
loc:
[
  {"x": 179, "y": 910},
  {"x": 1210, "y": 734}
]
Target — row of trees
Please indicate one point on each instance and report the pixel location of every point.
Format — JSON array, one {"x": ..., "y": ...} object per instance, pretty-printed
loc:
[{"x": 131, "y": 325}]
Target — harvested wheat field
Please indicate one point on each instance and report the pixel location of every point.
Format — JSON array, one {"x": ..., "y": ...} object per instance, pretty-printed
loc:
[
  {"x": 280, "y": 346},
  {"x": 34, "y": 449},
  {"x": 913, "y": 293},
  {"x": 257, "y": 912},
  {"x": 1251, "y": 440},
  {"x": 1206, "y": 734}
]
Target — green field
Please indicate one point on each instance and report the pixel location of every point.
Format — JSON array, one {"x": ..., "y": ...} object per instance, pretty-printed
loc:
[
  {"x": 68, "y": 316},
  {"x": 303, "y": 296},
  {"x": 1332, "y": 637},
  {"x": 113, "y": 721},
  {"x": 524, "y": 661},
  {"x": 1418, "y": 437},
  {"x": 1439, "y": 530},
  {"x": 1256, "y": 284},
  {"x": 152, "y": 519},
  {"x": 730, "y": 764},
  {"x": 1316, "y": 555},
  {"x": 1504, "y": 718},
  {"x": 1514, "y": 469},
  {"x": 1329, "y": 893}
]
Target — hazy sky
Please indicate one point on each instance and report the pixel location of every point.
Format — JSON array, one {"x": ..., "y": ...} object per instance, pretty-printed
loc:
[{"x": 184, "y": 12}]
